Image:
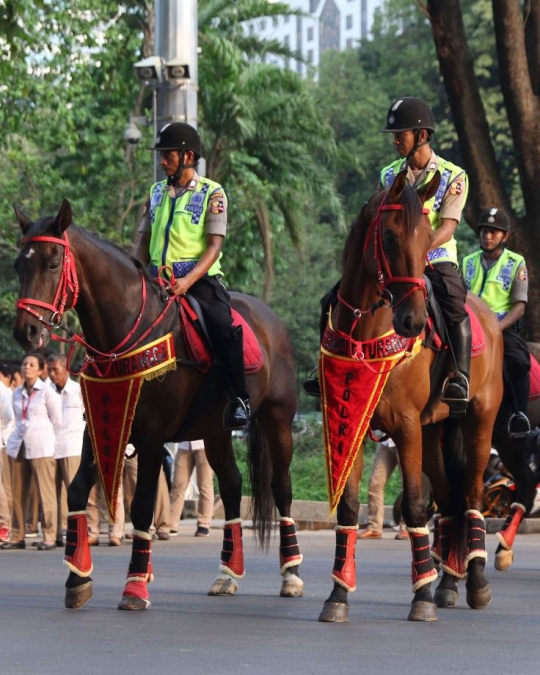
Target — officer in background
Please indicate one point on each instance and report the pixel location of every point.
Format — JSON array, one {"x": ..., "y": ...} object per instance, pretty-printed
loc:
[
  {"x": 499, "y": 277},
  {"x": 184, "y": 226},
  {"x": 412, "y": 124}
]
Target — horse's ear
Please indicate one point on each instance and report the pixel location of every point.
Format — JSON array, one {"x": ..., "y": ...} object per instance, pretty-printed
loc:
[
  {"x": 427, "y": 191},
  {"x": 63, "y": 219},
  {"x": 24, "y": 221},
  {"x": 397, "y": 187}
]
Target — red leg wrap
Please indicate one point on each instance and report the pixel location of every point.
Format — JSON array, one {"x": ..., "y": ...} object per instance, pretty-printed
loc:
[
  {"x": 476, "y": 536},
  {"x": 140, "y": 567},
  {"x": 423, "y": 568},
  {"x": 289, "y": 551},
  {"x": 77, "y": 557},
  {"x": 344, "y": 572},
  {"x": 511, "y": 525},
  {"x": 232, "y": 554},
  {"x": 453, "y": 557},
  {"x": 436, "y": 552}
]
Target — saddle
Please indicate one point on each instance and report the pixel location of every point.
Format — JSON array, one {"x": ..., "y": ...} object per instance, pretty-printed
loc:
[{"x": 199, "y": 345}]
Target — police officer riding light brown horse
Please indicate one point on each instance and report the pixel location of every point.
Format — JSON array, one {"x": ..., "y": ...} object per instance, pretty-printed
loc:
[
  {"x": 134, "y": 341},
  {"x": 447, "y": 422}
]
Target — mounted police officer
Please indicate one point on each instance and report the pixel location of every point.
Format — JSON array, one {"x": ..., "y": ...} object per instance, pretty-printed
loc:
[
  {"x": 412, "y": 124},
  {"x": 183, "y": 227},
  {"x": 499, "y": 277}
]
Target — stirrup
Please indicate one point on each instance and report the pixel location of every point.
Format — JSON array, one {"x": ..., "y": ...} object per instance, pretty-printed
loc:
[
  {"x": 519, "y": 426},
  {"x": 312, "y": 386},
  {"x": 458, "y": 406},
  {"x": 242, "y": 412}
]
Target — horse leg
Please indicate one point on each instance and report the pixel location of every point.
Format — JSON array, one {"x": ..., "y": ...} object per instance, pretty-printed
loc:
[
  {"x": 504, "y": 555},
  {"x": 77, "y": 556},
  {"x": 135, "y": 595},
  {"x": 279, "y": 438},
  {"x": 220, "y": 455},
  {"x": 336, "y": 606},
  {"x": 408, "y": 439}
]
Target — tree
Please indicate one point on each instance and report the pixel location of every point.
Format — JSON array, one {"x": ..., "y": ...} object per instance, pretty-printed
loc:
[{"x": 516, "y": 27}]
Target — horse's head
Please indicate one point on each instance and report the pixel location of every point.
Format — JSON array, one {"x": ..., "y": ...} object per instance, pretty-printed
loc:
[
  {"x": 47, "y": 277},
  {"x": 402, "y": 236}
]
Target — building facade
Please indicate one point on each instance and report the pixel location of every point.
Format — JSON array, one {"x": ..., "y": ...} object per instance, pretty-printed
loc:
[{"x": 331, "y": 24}]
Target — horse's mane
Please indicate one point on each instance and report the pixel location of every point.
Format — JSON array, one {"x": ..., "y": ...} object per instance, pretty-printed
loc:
[
  {"x": 42, "y": 227},
  {"x": 410, "y": 216}
]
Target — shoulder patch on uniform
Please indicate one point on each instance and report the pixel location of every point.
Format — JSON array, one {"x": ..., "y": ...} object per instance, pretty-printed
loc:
[
  {"x": 457, "y": 186},
  {"x": 522, "y": 273},
  {"x": 217, "y": 204}
]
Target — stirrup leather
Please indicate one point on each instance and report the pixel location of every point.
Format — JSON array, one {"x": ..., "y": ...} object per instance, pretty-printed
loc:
[{"x": 463, "y": 399}]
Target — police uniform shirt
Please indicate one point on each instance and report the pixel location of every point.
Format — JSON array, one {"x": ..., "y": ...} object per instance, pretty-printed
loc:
[
  {"x": 215, "y": 220},
  {"x": 519, "y": 291},
  {"x": 454, "y": 198}
]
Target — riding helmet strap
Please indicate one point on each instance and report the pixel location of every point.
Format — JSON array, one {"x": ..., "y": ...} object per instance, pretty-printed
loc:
[{"x": 172, "y": 180}]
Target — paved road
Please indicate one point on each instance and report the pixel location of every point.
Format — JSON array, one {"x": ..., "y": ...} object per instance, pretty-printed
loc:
[{"x": 256, "y": 632}]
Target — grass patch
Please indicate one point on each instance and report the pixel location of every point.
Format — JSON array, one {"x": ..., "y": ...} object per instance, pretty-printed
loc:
[{"x": 308, "y": 471}]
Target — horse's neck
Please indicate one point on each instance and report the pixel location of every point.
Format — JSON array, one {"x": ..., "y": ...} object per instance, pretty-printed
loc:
[{"x": 110, "y": 292}]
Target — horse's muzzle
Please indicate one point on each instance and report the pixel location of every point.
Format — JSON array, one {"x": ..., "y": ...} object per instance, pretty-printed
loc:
[{"x": 31, "y": 336}]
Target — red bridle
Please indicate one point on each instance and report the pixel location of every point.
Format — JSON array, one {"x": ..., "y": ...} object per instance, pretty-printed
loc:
[
  {"x": 384, "y": 273},
  {"x": 68, "y": 283}
]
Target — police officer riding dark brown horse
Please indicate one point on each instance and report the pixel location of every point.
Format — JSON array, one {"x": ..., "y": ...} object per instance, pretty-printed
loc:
[{"x": 139, "y": 376}]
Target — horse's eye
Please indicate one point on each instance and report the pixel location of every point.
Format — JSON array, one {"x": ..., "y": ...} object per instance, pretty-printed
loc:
[
  {"x": 389, "y": 239},
  {"x": 53, "y": 266}
]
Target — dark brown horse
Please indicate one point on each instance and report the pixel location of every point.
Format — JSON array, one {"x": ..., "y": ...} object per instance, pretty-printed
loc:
[
  {"x": 385, "y": 254},
  {"x": 54, "y": 255},
  {"x": 514, "y": 455}
]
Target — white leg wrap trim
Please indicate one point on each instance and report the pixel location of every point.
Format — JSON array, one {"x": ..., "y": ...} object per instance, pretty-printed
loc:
[
  {"x": 77, "y": 571},
  {"x": 77, "y": 513},
  {"x": 475, "y": 554},
  {"x": 517, "y": 505},
  {"x": 418, "y": 530},
  {"x": 226, "y": 570},
  {"x": 502, "y": 541},
  {"x": 142, "y": 535},
  {"x": 426, "y": 580},
  {"x": 286, "y": 520},
  {"x": 343, "y": 528},
  {"x": 341, "y": 583},
  {"x": 232, "y": 522},
  {"x": 474, "y": 512},
  {"x": 291, "y": 563}
]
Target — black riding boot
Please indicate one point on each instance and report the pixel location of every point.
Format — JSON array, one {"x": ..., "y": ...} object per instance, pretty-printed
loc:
[
  {"x": 312, "y": 386},
  {"x": 237, "y": 412},
  {"x": 455, "y": 391},
  {"x": 518, "y": 424}
]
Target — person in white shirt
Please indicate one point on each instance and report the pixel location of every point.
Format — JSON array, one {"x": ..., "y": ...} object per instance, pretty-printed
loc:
[
  {"x": 69, "y": 439},
  {"x": 31, "y": 447},
  {"x": 6, "y": 427}
]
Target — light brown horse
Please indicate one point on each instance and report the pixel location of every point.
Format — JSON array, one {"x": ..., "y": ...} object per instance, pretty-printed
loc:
[
  {"x": 62, "y": 266},
  {"x": 385, "y": 254}
]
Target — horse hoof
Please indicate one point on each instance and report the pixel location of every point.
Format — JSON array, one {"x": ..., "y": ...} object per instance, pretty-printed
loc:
[
  {"x": 292, "y": 586},
  {"x": 335, "y": 612},
  {"x": 223, "y": 586},
  {"x": 479, "y": 599},
  {"x": 445, "y": 597},
  {"x": 78, "y": 596},
  {"x": 423, "y": 611},
  {"x": 133, "y": 603},
  {"x": 503, "y": 560}
]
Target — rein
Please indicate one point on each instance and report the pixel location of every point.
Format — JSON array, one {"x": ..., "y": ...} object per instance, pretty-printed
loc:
[{"x": 68, "y": 282}]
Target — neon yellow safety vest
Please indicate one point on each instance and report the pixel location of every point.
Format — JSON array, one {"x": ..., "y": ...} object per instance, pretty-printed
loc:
[
  {"x": 494, "y": 286},
  {"x": 178, "y": 237},
  {"x": 449, "y": 172}
]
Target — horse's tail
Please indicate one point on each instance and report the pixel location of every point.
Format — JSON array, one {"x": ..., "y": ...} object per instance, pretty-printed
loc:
[
  {"x": 260, "y": 473},
  {"x": 455, "y": 462}
]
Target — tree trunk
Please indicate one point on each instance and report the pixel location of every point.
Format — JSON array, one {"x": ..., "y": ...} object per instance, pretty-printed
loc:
[
  {"x": 263, "y": 220},
  {"x": 457, "y": 69}
]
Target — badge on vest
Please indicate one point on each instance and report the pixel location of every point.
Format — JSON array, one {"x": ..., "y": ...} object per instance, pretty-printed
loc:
[
  {"x": 196, "y": 205},
  {"x": 505, "y": 275}
]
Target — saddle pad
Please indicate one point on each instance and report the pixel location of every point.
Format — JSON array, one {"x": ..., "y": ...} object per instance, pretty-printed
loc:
[
  {"x": 198, "y": 349},
  {"x": 534, "y": 391},
  {"x": 478, "y": 340}
]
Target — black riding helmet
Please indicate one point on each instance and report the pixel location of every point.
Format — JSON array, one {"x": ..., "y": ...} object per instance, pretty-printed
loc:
[
  {"x": 179, "y": 136},
  {"x": 409, "y": 114},
  {"x": 497, "y": 219}
]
